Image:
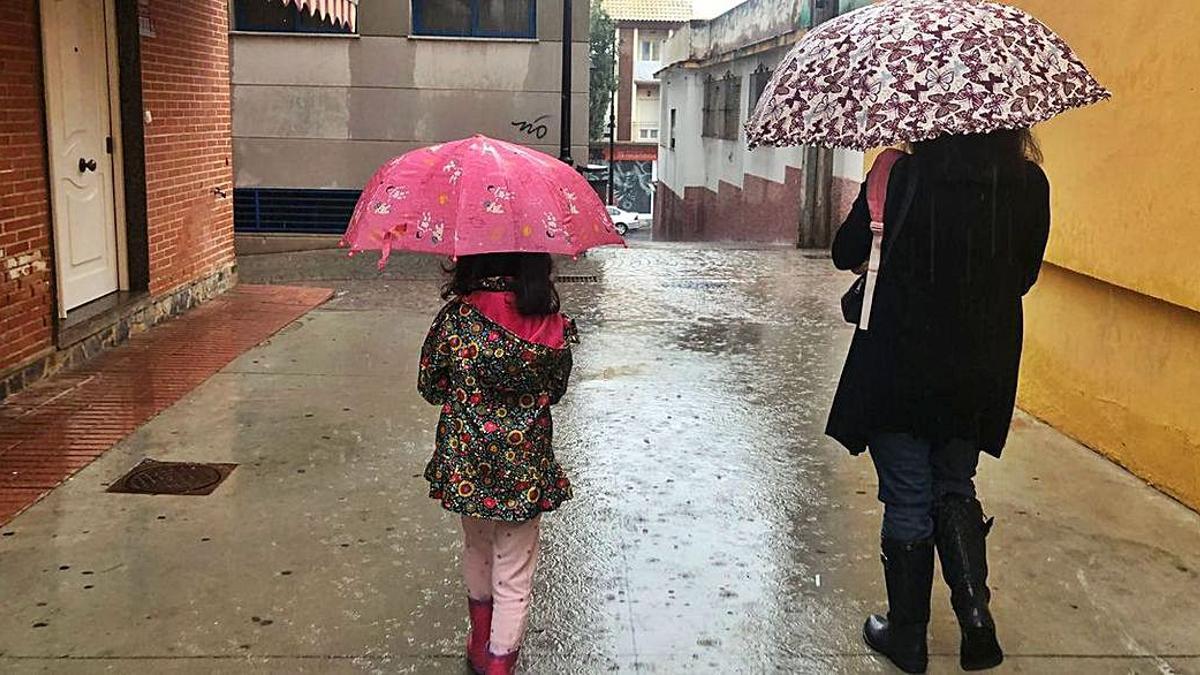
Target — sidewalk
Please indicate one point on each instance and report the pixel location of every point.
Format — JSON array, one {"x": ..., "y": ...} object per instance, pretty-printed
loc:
[
  {"x": 61, "y": 425},
  {"x": 714, "y": 530}
]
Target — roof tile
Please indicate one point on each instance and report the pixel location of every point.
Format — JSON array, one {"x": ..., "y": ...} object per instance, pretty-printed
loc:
[{"x": 649, "y": 10}]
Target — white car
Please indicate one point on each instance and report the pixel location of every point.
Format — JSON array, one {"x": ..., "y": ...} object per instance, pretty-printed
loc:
[{"x": 625, "y": 221}]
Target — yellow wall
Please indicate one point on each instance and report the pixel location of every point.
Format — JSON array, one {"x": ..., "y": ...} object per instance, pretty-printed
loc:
[
  {"x": 1118, "y": 371},
  {"x": 1125, "y": 172},
  {"x": 1112, "y": 351}
]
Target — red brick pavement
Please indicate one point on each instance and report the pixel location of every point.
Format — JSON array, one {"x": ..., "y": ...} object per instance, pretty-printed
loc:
[{"x": 59, "y": 426}]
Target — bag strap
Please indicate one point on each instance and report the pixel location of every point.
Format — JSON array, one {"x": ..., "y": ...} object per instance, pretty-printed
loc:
[{"x": 877, "y": 188}]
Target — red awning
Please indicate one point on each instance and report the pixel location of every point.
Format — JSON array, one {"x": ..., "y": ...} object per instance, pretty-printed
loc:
[
  {"x": 634, "y": 152},
  {"x": 344, "y": 12}
]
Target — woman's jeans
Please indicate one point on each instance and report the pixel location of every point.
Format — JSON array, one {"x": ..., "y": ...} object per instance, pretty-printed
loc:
[{"x": 913, "y": 474}]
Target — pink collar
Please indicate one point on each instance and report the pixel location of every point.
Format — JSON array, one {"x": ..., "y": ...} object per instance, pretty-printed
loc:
[{"x": 501, "y": 307}]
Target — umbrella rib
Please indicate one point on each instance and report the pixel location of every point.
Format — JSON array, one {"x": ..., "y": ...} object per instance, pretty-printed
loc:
[{"x": 459, "y": 200}]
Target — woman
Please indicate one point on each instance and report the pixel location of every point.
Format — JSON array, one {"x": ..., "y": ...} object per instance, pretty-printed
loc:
[{"x": 933, "y": 382}]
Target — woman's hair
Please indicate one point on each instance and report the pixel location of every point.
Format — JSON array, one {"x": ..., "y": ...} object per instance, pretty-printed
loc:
[
  {"x": 972, "y": 156},
  {"x": 529, "y": 276}
]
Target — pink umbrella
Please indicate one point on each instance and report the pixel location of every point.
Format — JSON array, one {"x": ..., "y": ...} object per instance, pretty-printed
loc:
[{"x": 478, "y": 195}]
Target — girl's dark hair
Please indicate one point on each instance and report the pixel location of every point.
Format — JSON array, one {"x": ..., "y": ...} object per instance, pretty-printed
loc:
[
  {"x": 974, "y": 156},
  {"x": 528, "y": 275}
]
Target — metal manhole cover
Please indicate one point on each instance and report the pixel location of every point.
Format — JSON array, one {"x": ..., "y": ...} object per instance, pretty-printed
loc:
[
  {"x": 152, "y": 477},
  {"x": 577, "y": 279}
]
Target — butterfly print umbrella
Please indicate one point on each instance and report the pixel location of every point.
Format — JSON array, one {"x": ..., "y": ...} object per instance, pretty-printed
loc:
[{"x": 911, "y": 70}]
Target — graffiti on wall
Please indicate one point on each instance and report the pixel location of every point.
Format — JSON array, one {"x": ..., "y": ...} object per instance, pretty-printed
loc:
[
  {"x": 535, "y": 127},
  {"x": 633, "y": 185}
]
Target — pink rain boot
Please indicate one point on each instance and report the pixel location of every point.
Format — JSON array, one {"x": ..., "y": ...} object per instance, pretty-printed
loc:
[
  {"x": 480, "y": 612},
  {"x": 502, "y": 665}
]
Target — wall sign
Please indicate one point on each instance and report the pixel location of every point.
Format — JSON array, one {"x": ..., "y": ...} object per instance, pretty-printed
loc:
[{"x": 145, "y": 23}]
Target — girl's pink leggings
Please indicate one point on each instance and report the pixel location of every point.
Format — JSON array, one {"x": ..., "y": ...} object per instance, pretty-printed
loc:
[{"x": 498, "y": 563}]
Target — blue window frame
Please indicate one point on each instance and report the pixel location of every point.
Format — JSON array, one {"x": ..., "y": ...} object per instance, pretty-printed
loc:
[
  {"x": 272, "y": 16},
  {"x": 308, "y": 211},
  {"x": 475, "y": 18}
]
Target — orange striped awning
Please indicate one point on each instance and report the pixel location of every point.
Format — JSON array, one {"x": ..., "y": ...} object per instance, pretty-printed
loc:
[{"x": 344, "y": 12}]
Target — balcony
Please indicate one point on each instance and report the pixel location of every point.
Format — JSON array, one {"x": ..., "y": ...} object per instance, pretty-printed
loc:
[{"x": 645, "y": 71}]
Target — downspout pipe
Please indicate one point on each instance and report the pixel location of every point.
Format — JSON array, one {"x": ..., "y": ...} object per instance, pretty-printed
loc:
[{"x": 564, "y": 143}]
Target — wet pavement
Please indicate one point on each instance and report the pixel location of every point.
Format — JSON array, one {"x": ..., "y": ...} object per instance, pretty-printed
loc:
[{"x": 714, "y": 528}]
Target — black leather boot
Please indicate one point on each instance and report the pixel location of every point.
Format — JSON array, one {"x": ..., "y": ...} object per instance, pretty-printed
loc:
[
  {"x": 961, "y": 534},
  {"x": 908, "y": 571}
]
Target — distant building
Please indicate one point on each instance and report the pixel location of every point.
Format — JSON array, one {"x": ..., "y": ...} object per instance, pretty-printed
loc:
[
  {"x": 710, "y": 187},
  {"x": 318, "y": 106},
  {"x": 643, "y": 27}
]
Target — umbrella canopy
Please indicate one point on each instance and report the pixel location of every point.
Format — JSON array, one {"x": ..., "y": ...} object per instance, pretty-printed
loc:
[
  {"x": 475, "y": 196},
  {"x": 912, "y": 70}
]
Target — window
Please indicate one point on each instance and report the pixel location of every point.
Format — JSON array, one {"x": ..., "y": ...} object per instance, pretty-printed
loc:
[
  {"x": 650, "y": 50},
  {"x": 272, "y": 16},
  {"x": 648, "y": 134},
  {"x": 712, "y": 108},
  {"x": 475, "y": 18},
  {"x": 758, "y": 84},
  {"x": 731, "y": 107},
  {"x": 723, "y": 107},
  {"x": 305, "y": 211},
  {"x": 671, "y": 142}
]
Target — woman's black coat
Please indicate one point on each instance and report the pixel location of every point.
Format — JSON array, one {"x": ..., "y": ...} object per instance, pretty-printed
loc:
[{"x": 941, "y": 357}]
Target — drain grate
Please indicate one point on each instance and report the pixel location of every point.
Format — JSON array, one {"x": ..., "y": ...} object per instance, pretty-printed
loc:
[
  {"x": 152, "y": 477},
  {"x": 577, "y": 279}
]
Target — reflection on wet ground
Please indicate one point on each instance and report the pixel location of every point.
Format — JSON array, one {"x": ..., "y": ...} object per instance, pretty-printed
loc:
[{"x": 714, "y": 530}]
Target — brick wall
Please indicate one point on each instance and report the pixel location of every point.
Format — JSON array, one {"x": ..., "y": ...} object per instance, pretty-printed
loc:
[
  {"x": 188, "y": 150},
  {"x": 25, "y": 274},
  {"x": 185, "y": 86},
  {"x": 625, "y": 84}
]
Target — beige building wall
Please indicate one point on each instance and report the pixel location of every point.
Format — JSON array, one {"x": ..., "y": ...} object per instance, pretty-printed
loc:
[
  {"x": 646, "y": 114},
  {"x": 324, "y": 111},
  {"x": 645, "y": 82}
]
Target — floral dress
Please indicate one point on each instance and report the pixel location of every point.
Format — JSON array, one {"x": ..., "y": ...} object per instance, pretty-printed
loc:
[{"x": 494, "y": 457}]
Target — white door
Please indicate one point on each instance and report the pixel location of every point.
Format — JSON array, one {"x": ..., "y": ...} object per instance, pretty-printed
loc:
[{"x": 79, "y": 127}]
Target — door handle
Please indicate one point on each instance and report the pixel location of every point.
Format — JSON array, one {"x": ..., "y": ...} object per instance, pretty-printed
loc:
[{"x": 86, "y": 165}]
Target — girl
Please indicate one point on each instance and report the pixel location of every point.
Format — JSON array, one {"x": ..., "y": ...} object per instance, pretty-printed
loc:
[
  {"x": 496, "y": 359},
  {"x": 933, "y": 382}
]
